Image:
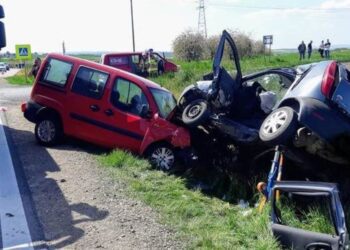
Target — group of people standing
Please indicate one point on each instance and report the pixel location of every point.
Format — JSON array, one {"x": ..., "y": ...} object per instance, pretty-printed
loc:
[{"x": 323, "y": 49}]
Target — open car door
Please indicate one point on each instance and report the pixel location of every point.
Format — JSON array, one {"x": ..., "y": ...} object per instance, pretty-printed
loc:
[
  {"x": 292, "y": 214},
  {"x": 227, "y": 74}
]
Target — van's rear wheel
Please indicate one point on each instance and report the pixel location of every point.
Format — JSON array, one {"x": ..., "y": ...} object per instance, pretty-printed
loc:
[
  {"x": 48, "y": 131},
  {"x": 161, "y": 156}
]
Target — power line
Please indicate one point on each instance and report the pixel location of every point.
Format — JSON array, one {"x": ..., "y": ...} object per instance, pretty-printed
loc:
[
  {"x": 275, "y": 8},
  {"x": 202, "y": 23}
]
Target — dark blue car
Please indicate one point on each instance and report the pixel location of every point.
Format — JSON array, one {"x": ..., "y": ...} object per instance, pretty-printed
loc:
[{"x": 314, "y": 113}]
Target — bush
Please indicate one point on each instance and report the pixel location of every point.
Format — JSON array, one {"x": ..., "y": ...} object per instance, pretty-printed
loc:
[{"x": 189, "y": 46}]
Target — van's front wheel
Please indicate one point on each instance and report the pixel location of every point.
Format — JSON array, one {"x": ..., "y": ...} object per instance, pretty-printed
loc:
[
  {"x": 48, "y": 131},
  {"x": 162, "y": 156}
]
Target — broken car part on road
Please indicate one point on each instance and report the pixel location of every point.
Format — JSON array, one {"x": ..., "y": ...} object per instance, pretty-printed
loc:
[{"x": 308, "y": 196}]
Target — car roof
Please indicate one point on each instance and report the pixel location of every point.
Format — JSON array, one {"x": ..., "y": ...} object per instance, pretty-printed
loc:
[
  {"x": 113, "y": 71},
  {"x": 121, "y": 53}
]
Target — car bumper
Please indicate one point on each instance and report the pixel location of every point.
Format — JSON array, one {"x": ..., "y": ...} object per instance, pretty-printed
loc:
[
  {"x": 327, "y": 122},
  {"x": 30, "y": 110}
]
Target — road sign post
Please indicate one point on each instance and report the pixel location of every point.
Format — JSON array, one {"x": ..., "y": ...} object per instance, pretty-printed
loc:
[
  {"x": 24, "y": 52},
  {"x": 268, "y": 40}
]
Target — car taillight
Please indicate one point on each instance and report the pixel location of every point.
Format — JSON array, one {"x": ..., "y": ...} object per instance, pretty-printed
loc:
[
  {"x": 328, "y": 79},
  {"x": 23, "y": 107}
]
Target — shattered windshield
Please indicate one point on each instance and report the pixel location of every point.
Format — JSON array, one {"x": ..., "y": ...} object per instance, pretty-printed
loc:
[{"x": 165, "y": 101}]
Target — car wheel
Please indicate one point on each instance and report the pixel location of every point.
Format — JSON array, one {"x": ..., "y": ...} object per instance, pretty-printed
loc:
[
  {"x": 48, "y": 131},
  {"x": 279, "y": 126},
  {"x": 195, "y": 113},
  {"x": 162, "y": 156}
]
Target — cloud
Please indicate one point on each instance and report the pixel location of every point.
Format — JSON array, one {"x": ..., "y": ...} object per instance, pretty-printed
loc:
[{"x": 335, "y": 4}]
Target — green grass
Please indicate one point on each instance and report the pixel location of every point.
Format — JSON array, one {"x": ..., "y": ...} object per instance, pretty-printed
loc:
[
  {"x": 190, "y": 72},
  {"x": 20, "y": 79},
  {"x": 201, "y": 221}
]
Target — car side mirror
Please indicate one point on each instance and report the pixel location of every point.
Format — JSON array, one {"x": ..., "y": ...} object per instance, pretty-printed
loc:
[
  {"x": 146, "y": 112},
  {"x": 2, "y": 29}
]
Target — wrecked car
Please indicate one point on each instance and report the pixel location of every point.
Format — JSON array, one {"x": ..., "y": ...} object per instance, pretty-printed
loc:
[
  {"x": 227, "y": 103},
  {"x": 314, "y": 114},
  {"x": 294, "y": 204}
]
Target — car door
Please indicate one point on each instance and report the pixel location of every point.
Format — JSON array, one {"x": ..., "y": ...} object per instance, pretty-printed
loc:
[
  {"x": 128, "y": 100},
  {"x": 89, "y": 110},
  {"x": 308, "y": 215},
  {"x": 227, "y": 74}
]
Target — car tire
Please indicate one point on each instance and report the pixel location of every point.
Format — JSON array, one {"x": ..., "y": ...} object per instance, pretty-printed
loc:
[
  {"x": 162, "y": 156},
  {"x": 48, "y": 131},
  {"x": 279, "y": 126},
  {"x": 196, "y": 113}
]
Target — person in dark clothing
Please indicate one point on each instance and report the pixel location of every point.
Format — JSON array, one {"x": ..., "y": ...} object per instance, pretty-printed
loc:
[
  {"x": 309, "y": 50},
  {"x": 321, "y": 48},
  {"x": 302, "y": 49},
  {"x": 36, "y": 67}
]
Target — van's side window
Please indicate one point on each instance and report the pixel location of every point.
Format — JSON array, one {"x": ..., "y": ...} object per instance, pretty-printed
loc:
[
  {"x": 128, "y": 97},
  {"x": 90, "y": 82},
  {"x": 56, "y": 72}
]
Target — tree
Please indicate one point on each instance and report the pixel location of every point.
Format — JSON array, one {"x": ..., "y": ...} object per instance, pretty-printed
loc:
[{"x": 189, "y": 46}]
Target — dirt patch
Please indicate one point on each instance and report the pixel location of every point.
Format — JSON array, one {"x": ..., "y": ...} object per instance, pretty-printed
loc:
[{"x": 77, "y": 203}]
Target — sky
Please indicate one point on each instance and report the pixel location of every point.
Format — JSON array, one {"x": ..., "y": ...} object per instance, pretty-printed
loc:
[{"x": 105, "y": 25}]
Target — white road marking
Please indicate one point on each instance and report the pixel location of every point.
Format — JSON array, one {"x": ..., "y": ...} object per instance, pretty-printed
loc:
[{"x": 14, "y": 227}]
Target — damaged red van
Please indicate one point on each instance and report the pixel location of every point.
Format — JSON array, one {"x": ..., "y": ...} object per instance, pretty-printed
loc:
[{"x": 105, "y": 106}]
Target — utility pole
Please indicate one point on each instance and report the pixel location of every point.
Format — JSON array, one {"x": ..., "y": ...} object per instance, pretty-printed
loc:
[
  {"x": 202, "y": 24},
  {"x": 132, "y": 27},
  {"x": 63, "y": 48}
]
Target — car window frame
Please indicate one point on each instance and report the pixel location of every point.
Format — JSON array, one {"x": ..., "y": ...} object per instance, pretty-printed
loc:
[
  {"x": 94, "y": 69},
  {"x": 51, "y": 84},
  {"x": 130, "y": 81}
]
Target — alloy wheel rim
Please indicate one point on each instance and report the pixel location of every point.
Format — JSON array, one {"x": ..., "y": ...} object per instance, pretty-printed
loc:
[
  {"x": 46, "y": 130},
  {"x": 194, "y": 111},
  {"x": 275, "y": 122},
  {"x": 163, "y": 158}
]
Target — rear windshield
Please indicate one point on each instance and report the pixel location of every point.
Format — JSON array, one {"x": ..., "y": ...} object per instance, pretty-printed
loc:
[{"x": 118, "y": 60}]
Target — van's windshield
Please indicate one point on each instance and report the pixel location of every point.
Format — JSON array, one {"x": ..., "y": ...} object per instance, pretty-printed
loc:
[{"x": 166, "y": 102}]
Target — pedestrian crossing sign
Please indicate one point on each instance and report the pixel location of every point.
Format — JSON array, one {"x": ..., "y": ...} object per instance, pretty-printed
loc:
[{"x": 23, "y": 52}]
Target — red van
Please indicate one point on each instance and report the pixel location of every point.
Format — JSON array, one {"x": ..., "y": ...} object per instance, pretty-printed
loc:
[
  {"x": 139, "y": 63},
  {"x": 105, "y": 106}
]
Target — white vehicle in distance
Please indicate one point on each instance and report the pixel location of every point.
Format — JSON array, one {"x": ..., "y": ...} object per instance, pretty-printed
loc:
[{"x": 3, "y": 68}]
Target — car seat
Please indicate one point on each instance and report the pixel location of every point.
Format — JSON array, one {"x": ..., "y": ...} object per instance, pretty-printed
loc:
[{"x": 135, "y": 104}]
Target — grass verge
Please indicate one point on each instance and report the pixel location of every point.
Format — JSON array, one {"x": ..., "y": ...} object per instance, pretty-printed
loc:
[
  {"x": 200, "y": 221},
  {"x": 20, "y": 79}
]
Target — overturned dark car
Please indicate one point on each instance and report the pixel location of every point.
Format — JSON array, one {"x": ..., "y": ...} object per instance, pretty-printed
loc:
[
  {"x": 229, "y": 104},
  {"x": 314, "y": 114},
  {"x": 307, "y": 106}
]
